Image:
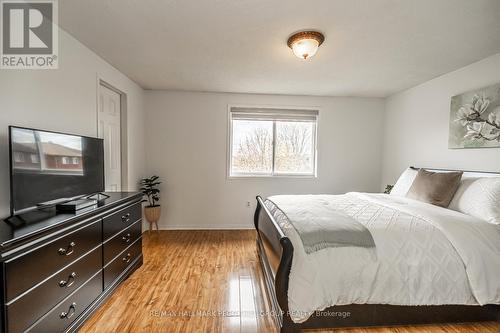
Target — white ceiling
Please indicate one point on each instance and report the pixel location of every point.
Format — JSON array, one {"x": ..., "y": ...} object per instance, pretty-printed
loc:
[{"x": 372, "y": 47}]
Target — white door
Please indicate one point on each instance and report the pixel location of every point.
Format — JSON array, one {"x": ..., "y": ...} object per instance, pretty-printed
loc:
[{"x": 108, "y": 128}]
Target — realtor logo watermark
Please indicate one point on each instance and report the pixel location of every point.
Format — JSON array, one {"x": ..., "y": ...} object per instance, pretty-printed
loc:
[{"x": 29, "y": 34}]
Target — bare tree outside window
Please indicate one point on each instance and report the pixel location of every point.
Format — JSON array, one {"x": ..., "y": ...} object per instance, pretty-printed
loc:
[
  {"x": 294, "y": 144},
  {"x": 253, "y": 148}
]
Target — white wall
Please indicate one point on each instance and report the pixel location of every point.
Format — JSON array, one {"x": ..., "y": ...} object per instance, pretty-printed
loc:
[
  {"x": 416, "y": 124},
  {"x": 65, "y": 100},
  {"x": 186, "y": 145}
]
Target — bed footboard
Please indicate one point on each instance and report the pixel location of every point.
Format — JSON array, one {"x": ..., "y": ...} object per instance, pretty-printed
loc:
[{"x": 275, "y": 254}]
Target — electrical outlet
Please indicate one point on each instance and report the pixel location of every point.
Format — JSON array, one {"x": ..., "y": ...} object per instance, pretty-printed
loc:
[{"x": 248, "y": 204}]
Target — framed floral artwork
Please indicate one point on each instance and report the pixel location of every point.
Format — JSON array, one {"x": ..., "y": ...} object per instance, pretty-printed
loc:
[{"x": 475, "y": 119}]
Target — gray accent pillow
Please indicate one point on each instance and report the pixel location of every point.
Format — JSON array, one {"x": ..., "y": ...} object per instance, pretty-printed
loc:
[{"x": 437, "y": 188}]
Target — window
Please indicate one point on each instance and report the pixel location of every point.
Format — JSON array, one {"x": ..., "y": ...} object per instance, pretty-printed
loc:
[
  {"x": 18, "y": 157},
  {"x": 76, "y": 160},
  {"x": 272, "y": 142},
  {"x": 65, "y": 160},
  {"x": 34, "y": 159}
]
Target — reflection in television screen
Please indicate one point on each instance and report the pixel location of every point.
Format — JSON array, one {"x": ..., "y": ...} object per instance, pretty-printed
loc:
[{"x": 48, "y": 153}]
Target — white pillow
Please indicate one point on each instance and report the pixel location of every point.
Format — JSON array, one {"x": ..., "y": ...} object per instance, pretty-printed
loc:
[
  {"x": 404, "y": 182},
  {"x": 479, "y": 197}
]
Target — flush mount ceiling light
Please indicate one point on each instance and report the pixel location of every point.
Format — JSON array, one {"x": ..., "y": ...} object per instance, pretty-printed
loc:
[{"x": 305, "y": 44}]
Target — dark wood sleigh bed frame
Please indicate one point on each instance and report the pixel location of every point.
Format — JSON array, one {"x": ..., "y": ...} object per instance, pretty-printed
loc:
[{"x": 276, "y": 252}]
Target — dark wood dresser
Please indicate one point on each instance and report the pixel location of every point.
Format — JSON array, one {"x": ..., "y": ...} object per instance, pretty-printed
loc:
[{"x": 57, "y": 269}]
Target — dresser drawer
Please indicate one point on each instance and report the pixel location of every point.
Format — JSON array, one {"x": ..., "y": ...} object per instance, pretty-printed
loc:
[
  {"x": 64, "y": 313},
  {"x": 29, "y": 307},
  {"x": 31, "y": 268},
  {"x": 114, "y": 223},
  {"x": 120, "y": 263},
  {"x": 120, "y": 241}
]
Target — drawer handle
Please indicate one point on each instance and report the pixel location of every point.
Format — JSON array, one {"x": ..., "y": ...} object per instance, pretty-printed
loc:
[
  {"x": 127, "y": 238},
  {"x": 69, "y": 282},
  {"x": 127, "y": 258},
  {"x": 70, "y": 313},
  {"x": 68, "y": 250},
  {"x": 126, "y": 218}
]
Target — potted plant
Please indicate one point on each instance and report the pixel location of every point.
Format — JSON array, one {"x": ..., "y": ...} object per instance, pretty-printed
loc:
[{"x": 152, "y": 211}]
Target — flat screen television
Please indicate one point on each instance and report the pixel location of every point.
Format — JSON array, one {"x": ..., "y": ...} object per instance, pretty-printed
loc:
[{"x": 49, "y": 166}]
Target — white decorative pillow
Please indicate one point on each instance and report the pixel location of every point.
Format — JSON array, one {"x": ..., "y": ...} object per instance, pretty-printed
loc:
[
  {"x": 404, "y": 182},
  {"x": 479, "y": 197}
]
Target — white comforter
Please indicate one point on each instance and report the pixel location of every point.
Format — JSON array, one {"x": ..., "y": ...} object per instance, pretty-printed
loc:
[{"x": 425, "y": 255}]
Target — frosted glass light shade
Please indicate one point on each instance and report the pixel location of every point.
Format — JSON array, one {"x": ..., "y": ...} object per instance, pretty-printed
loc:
[{"x": 305, "y": 48}]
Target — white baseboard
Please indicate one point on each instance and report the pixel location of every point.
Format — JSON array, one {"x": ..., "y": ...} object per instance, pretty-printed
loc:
[{"x": 204, "y": 227}]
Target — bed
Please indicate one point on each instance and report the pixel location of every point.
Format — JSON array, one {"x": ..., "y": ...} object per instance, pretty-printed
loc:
[{"x": 430, "y": 265}]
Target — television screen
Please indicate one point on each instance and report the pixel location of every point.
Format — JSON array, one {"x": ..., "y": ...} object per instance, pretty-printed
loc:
[{"x": 47, "y": 166}]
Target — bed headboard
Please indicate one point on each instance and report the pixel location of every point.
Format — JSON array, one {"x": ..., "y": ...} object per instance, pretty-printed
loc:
[{"x": 466, "y": 173}]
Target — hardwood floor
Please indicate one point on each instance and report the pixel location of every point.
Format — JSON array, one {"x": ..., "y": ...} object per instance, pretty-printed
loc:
[{"x": 208, "y": 281}]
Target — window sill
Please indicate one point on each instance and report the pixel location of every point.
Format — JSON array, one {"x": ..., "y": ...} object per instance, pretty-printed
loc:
[{"x": 288, "y": 176}]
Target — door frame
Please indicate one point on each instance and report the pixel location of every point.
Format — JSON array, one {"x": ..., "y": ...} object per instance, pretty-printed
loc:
[{"x": 123, "y": 127}]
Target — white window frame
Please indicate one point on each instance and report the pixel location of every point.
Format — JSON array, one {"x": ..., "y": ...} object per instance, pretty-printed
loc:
[{"x": 289, "y": 110}]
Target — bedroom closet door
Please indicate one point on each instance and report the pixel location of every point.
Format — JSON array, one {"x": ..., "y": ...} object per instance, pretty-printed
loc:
[{"x": 109, "y": 129}]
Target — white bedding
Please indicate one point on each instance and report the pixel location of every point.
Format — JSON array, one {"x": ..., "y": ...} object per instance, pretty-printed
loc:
[{"x": 425, "y": 255}]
